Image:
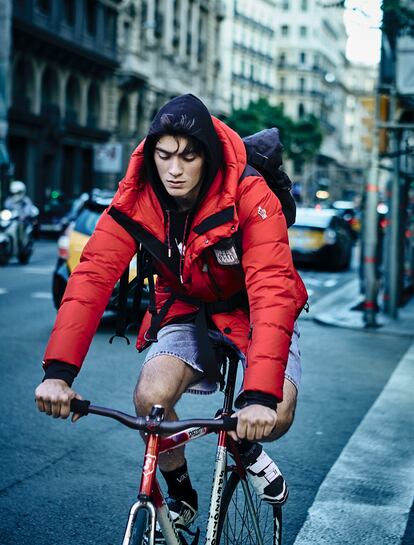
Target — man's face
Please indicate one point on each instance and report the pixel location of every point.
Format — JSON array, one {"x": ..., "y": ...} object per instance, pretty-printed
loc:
[{"x": 180, "y": 171}]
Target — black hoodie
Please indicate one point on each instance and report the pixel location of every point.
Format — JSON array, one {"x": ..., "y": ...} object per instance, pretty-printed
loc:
[{"x": 189, "y": 111}]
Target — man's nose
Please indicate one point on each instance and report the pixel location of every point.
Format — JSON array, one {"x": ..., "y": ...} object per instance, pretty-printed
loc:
[{"x": 175, "y": 166}]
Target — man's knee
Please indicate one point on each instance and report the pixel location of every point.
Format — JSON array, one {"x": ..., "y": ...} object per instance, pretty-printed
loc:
[
  {"x": 162, "y": 381},
  {"x": 149, "y": 391}
]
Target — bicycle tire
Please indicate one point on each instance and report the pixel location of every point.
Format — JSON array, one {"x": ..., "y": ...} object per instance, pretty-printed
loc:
[
  {"x": 140, "y": 528},
  {"x": 235, "y": 526}
]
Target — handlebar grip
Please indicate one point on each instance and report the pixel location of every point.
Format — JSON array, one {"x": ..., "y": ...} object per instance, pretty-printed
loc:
[
  {"x": 80, "y": 406},
  {"x": 229, "y": 423}
]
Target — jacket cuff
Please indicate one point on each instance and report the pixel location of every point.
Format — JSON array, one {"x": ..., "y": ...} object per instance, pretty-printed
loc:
[
  {"x": 260, "y": 398},
  {"x": 62, "y": 371}
]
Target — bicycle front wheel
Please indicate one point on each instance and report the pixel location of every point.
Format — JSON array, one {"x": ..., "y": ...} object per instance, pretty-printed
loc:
[
  {"x": 139, "y": 533},
  {"x": 245, "y": 519}
]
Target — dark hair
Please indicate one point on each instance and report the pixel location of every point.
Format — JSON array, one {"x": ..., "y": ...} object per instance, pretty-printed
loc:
[{"x": 182, "y": 128}]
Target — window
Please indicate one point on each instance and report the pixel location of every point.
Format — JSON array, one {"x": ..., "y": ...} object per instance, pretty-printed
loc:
[
  {"x": 303, "y": 31},
  {"x": 285, "y": 30},
  {"x": 304, "y": 5},
  {"x": 43, "y": 6},
  {"x": 301, "y": 85},
  {"x": 110, "y": 27},
  {"x": 90, "y": 17},
  {"x": 69, "y": 12},
  {"x": 302, "y": 57},
  {"x": 301, "y": 110},
  {"x": 285, "y": 5},
  {"x": 282, "y": 84},
  {"x": 282, "y": 60}
]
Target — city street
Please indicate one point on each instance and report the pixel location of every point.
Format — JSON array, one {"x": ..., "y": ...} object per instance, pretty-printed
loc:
[{"x": 73, "y": 484}]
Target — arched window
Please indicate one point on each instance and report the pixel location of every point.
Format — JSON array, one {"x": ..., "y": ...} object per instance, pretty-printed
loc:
[
  {"x": 94, "y": 105},
  {"x": 72, "y": 100},
  {"x": 50, "y": 92},
  {"x": 123, "y": 116},
  {"x": 23, "y": 85}
]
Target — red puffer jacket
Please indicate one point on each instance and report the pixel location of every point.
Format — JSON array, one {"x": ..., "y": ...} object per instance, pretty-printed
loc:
[{"x": 275, "y": 291}]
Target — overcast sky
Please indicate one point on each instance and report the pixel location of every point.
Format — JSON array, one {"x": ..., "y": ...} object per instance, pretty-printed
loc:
[{"x": 362, "y": 20}]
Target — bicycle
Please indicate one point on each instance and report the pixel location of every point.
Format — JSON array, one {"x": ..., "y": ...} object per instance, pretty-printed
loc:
[{"x": 236, "y": 516}]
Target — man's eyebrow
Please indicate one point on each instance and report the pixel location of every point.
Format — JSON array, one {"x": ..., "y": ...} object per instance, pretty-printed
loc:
[
  {"x": 158, "y": 148},
  {"x": 184, "y": 152}
]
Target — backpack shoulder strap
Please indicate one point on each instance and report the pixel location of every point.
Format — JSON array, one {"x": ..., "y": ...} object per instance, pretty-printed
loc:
[{"x": 249, "y": 171}]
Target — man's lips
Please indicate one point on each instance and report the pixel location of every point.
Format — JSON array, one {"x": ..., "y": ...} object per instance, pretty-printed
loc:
[{"x": 176, "y": 182}]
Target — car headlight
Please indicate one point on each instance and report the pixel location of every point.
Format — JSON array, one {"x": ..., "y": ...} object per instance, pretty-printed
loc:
[
  {"x": 329, "y": 236},
  {"x": 6, "y": 215}
]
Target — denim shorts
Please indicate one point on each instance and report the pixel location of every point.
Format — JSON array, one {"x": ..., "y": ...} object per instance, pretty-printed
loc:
[{"x": 179, "y": 340}]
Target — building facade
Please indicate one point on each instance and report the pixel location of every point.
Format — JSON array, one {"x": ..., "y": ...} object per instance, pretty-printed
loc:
[
  {"x": 250, "y": 30},
  {"x": 168, "y": 47},
  {"x": 85, "y": 73},
  {"x": 64, "y": 58}
]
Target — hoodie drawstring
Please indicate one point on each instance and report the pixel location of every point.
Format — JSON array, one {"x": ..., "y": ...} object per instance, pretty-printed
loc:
[
  {"x": 183, "y": 248},
  {"x": 168, "y": 233}
]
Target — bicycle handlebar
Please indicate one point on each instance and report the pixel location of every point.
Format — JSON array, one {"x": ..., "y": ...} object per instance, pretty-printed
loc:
[{"x": 84, "y": 407}]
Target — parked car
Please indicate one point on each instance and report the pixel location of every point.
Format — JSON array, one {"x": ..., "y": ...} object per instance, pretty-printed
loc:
[
  {"x": 351, "y": 214},
  {"x": 71, "y": 244},
  {"x": 320, "y": 237}
]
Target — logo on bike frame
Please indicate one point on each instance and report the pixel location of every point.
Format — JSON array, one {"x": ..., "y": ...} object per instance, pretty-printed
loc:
[{"x": 149, "y": 465}]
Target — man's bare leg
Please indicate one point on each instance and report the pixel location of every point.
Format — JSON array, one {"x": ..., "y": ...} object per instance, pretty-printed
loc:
[
  {"x": 285, "y": 411},
  {"x": 162, "y": 381}
]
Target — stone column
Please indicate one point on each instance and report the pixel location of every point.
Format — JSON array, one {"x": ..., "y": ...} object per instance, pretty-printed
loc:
[
  {"x": 150, "y": 23},
  {"x": 195, "y": 17},
  {"x": 83, "y": 110},
  {"x": 184, "y": 16},
  {"x": 38, "y": 73},
  {"x": 168, "y": 26}
]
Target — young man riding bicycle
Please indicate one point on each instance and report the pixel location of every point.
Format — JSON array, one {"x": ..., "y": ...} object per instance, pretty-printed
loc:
[{"x": 182, "y": 199}]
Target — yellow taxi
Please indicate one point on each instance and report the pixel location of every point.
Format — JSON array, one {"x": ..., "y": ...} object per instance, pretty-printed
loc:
[
  {"x": 320, "y": 237},
  {"x": 74, "y": 239}
]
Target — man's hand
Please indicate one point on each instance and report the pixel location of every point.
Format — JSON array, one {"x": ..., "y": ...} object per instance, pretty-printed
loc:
[
  {"x": 254, "y": 423},
  {"x": 53, "y": 397}
]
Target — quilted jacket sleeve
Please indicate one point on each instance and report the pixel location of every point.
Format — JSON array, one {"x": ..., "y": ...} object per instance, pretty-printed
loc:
[
  {"x": 104, "y": 259},
  {"x": 271, "y": 282}
]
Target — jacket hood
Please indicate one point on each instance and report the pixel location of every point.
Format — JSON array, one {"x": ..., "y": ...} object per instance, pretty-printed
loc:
[{"x": 190, "y": 111}]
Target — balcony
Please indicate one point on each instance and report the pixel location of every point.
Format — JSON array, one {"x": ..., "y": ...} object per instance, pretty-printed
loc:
[{"x": 50, "y": 27}]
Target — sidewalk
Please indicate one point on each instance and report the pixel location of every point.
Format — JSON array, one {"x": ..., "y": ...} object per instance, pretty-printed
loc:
[{"x": 336, "y": 310}]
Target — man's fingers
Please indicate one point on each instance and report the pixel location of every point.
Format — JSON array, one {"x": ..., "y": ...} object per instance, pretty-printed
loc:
[
  {"x": 65, "y": 407},
  {"x": 40, "y": 405},
  {"x": 55, "y": 407},
  {"x": 76, "y": 416},
  {"x": 48, "y": 406}
]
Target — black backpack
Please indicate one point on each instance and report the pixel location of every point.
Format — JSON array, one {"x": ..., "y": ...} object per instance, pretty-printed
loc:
[
  {"x": 264, "y": 154},
  {"x": 264, "y": 158}
]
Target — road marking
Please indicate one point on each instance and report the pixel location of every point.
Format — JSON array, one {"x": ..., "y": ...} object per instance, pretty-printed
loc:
[
  {"x": 38, "y": 270},
  {"x": 312, "y": 281},
  {"x": 41, "y": 295},
  {"x": 367, "y": 495},
  {"x": 330, "y": 283},
  {"x": 3, "y": 291}
]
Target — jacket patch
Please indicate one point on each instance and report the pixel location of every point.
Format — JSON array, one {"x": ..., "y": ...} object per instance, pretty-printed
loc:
[
  {"x": 226, "y": 256},
  {"x": 262, "y": 213}
]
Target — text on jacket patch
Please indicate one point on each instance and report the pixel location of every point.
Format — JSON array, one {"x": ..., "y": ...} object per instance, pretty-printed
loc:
[
  {"x": 262, "y": 213},
  {"x": 226, "y": 256}
]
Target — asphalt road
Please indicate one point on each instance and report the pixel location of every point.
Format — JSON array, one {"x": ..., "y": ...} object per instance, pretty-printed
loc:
[{"x": 73, "y": 484}]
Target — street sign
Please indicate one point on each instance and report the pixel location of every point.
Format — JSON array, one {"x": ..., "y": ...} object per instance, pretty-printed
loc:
[{"x": 108, "y": 158}]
